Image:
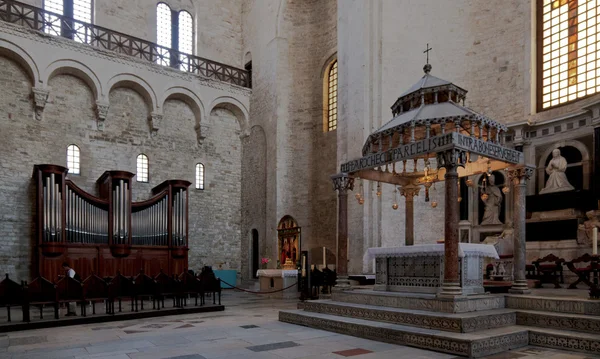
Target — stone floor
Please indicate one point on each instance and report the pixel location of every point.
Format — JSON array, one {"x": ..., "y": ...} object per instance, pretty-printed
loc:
[{"x": 248, "y": 328}]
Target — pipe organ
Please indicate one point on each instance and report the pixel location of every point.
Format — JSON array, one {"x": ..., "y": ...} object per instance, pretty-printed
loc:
[{"x": 109, "y": 233}]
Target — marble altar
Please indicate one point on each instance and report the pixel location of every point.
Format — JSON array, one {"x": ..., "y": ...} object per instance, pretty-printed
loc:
[
  {"x": 420, "y": 268},
  {"x": 273, "y": 280}
]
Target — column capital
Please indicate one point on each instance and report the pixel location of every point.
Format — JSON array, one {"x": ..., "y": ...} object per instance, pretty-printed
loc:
[
  {"x": 101, "y": 113},
  {"x": 342, "y": 182},
  {"x": 155, "y": 122},
  {"x": 520, "y": 175},
  {"x": 40, "y": 97},
  {"x": 410, "y": 191},
  {"x": 451, "y": 158}
]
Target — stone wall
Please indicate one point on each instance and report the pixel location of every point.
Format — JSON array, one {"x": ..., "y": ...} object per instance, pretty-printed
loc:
[{"x": 290, "y": 43}]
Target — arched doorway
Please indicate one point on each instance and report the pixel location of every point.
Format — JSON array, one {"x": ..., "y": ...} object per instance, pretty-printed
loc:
[
  {"x": 254, "y": 253},
  {"x": 288, "y": 242}
]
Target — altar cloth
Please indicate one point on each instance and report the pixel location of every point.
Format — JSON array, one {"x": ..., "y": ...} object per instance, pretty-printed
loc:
[{"x": 464, "y": 249}]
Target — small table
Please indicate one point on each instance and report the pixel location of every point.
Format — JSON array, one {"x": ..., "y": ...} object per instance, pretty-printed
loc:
[{"x": 586, "y": 273}]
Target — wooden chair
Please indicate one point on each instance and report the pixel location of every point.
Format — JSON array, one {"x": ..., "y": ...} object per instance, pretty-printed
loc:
[
  {"x": 316, "y": 282},
  {"x": 119, "y": 288},
  {"x": 168, "y": 287},
  {"x": 11, "y": 294},
  {"x": 210, "y": 284},
  {"x": 95, "y": 290},
  {"x": 329, "y": 278},
  {"x": 190, "y": 286},
  {"x": 583, "y": 271},
  {"x": 69, "y": 290},
  {"x": 145, "y": 287},
  {"x": 41, "y": 292},
  {"x": 549, "y": 273}
]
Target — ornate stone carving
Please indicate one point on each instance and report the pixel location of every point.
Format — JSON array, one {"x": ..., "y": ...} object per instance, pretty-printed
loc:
[
  {"x": 342, "y": 182},
  {"x": 584, "y": 231},
  {"x": 557, "y": 182},
  {"x": 451, "y": 158},
  {"x": 101, "y": 113},
  {"x": 520, "y": 175},
  {"x": 40, "y": 97},
  {"x": 492, "y": 202},
  {"x": 201, "y": 132},
  {"x": 155, "y": 122}
]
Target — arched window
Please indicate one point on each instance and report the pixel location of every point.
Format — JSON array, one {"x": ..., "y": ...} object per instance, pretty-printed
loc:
[
  {"x": 331, "y": 99},
  {"x": 185, "y": 39},
  {"x": 142, "y": 168},
  {"x": 78, "y": 10},
  {"x": 566, "y": 51},
  {"x": 163, "y": 33},
  {"x": 199, "y": 176},
  {"x": 175, "y": 31},
  {"x": 73, "y": 159}
]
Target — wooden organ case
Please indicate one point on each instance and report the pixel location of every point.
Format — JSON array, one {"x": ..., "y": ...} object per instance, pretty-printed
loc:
[{"x": 109, "y": 233}]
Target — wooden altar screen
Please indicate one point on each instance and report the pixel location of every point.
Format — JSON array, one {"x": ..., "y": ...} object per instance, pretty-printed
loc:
[{"x": 108, "y": 233}]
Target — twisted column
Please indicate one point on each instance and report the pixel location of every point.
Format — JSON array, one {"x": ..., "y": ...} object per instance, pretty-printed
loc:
[{"x": 342, "y": 183}]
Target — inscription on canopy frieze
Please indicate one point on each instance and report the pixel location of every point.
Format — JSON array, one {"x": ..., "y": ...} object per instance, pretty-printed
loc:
[{"x": 432, "y": 145}]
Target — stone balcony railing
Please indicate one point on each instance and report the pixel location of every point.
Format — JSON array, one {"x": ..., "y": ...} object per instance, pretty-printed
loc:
[{"x": 15, "y": 12}]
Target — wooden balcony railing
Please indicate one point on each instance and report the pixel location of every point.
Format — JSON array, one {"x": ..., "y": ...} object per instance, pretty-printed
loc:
[{"x": 16, "y": 12}]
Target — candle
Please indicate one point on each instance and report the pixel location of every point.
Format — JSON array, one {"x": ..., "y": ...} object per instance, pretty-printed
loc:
[
  {"x": 324, "y": 258},
  {"x": 595, "y": 242}
]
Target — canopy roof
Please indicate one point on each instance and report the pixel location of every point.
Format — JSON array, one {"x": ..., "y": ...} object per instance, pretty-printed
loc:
[{"x": 429, "y": 118}]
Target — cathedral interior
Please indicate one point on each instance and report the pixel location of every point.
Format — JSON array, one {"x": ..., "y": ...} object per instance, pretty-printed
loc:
[{"x": 424, "y": 174}]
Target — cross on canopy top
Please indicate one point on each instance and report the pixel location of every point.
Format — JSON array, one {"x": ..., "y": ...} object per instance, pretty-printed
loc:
[{"x": 427, "y": 67}]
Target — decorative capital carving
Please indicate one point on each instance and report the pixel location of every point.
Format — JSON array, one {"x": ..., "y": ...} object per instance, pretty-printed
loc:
[
  {"x": 410, "y": 191},
  {"x": 342, "y": 182},
  {"x": 520, "y": 175},
  {"x": 40, "y": 97},
  {"x": 201, "y": 132},
  {"x": 155, "y": 122},
  {"x": 101, "y": 113},
  {"x": 451, "y": 158}
]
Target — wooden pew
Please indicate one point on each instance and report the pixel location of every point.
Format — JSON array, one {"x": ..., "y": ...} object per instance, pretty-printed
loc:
[
  {"x": 11, "y": 294},
  {"x": 168, "y": 286},
  {"x": 145, "y": 287},
  {"x": 95, "y": 289},
  {"x": 210, "y": 284},
  {"x": 70, "y": 290},
  {"x": 42, "y": 292},
  {"x": 191, "y": 285},
  {"x": 119, "y": 288}
]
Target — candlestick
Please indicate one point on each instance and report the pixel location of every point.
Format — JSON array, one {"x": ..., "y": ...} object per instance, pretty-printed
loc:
[
  {"x": 595, "y": 241},
  {"x": 324, "y": 258}
]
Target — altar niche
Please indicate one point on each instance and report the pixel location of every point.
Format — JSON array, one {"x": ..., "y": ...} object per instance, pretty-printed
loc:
[{"x": 288, "y": 243}]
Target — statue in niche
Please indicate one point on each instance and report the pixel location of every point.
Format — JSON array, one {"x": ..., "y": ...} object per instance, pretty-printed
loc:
[
  {"x": 492, "y": 202},
  {"x": 584, "y": 231},
  {"x": 557, "y": 182}
]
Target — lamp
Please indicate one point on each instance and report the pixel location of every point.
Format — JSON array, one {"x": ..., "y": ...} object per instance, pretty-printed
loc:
[
  {"x": 379, "y": 189},
  {"x": 395, "y": 204}
]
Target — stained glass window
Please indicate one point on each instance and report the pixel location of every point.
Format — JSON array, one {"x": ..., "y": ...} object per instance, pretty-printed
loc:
[
  {"x": 570, "y": 62},
  {"x": 332, "y": 85}
]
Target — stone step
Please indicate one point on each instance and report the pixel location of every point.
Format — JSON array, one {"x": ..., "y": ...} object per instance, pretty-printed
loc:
[
  {"x": 460, "y": 323},
  {"x": 475, "y": 345},
  {"x": 565, "y": 340},
  {"x": 418, "y": 301},
  {"x": 553, "y": 304},
  {"x": 561, "y": 321}
]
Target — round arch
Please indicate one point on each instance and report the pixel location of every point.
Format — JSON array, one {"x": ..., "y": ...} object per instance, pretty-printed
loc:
[
  {"x": 187, "y": 96},
  {"x": 234, "y": 105},
  {"x": 21, "y": 57},
  {"x": 77, "y": 69},
  {"x": 137, "y": 84},
  {"x": 585, "y": 161}
]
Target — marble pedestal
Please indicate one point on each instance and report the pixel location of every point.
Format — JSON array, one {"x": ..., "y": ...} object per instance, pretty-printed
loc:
[
  {"x": 276, "y": 279},
  {"x": 420, "y": 269}
]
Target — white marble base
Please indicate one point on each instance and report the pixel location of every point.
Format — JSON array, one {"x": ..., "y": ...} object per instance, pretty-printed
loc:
[{"x": 273, "y": 280}]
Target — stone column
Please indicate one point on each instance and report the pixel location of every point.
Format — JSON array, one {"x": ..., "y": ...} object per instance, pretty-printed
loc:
[
  {"x": 451, "y": 160},
  {"x": 342, "y": 183},
  {"x": 519, "y": 177},
  {"x": 409, "y": 192}
]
